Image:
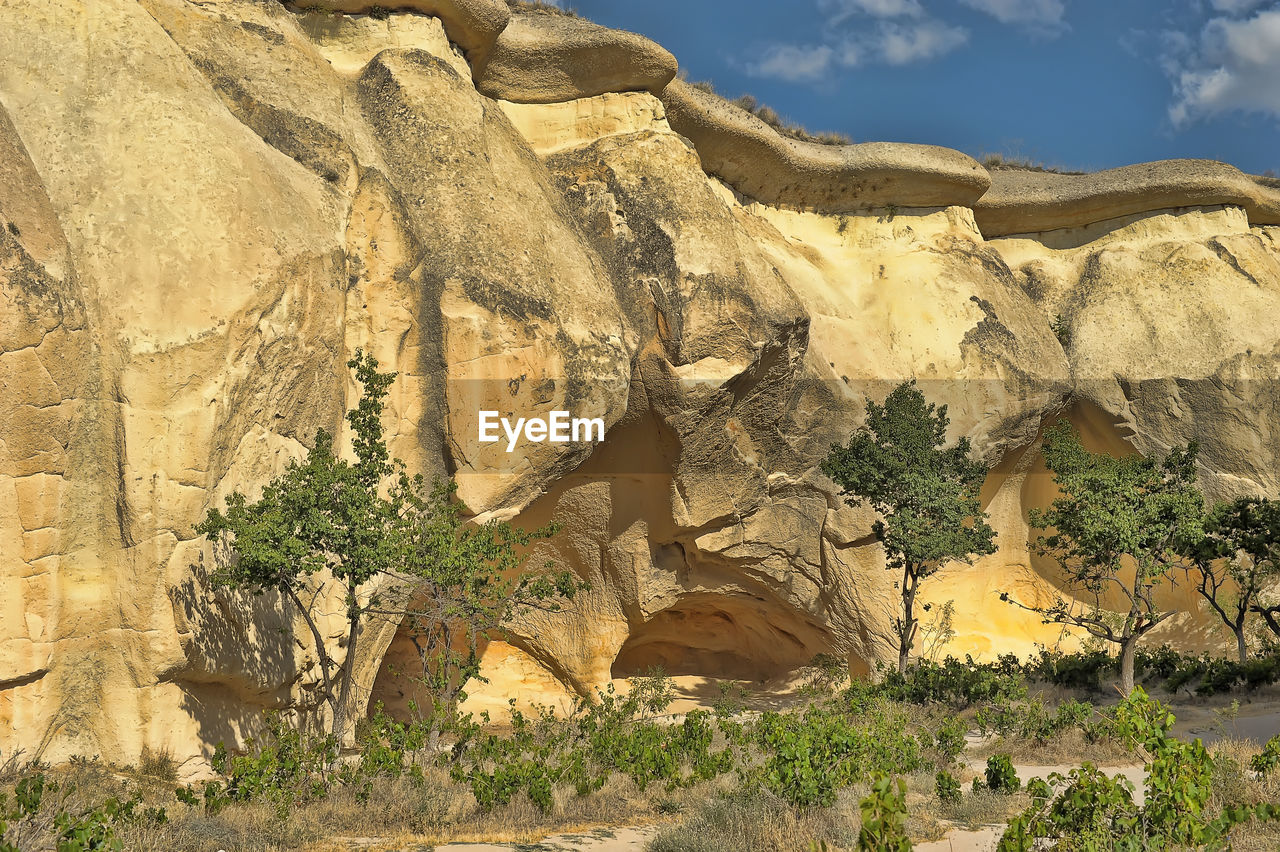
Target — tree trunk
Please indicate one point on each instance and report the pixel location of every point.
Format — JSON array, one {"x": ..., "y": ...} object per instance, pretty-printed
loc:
[
  {"x": 1269, "y": 616},
  {"x": 908, "y": 623},
  {"x": 1241, "y": 646},
  {"x": 1127, "y": 646},
  {"x": 322, "y": 653},
  {"x": 346, "y": 675}
]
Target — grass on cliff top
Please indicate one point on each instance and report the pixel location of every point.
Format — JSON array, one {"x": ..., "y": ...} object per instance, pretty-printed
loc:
[
  {"x": 749, "y": 104},
  {"x": 999, "y": 162},
  {"x": 541, "y": 7}
]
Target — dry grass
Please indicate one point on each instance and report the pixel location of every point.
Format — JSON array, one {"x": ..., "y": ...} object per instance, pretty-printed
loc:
[
  {"x": 1070, "y": 746},
  {"x": 1022, "y": 164},
  {"x": 745, "y": 821},
  {"x": 541, "y": 7},
  {"x": 749, "y": 104},
  {"x": 1235, "y": 783},
  {"x": 434, "y": 811},
  {"x": 759, "y": 821},
  {"x": 980, "y": 808},
  {"x": 158, "y": 764}
]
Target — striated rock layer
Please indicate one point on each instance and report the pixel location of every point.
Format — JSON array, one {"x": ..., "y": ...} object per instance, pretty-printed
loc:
[{"x": 205, "y": 208}]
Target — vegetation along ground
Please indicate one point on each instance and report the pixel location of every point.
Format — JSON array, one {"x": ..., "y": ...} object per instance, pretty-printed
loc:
[{"x": 921, "y": 748}]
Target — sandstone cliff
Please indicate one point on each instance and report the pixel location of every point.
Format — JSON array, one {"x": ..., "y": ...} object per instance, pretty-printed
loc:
[{"x": 206, "y": 206}]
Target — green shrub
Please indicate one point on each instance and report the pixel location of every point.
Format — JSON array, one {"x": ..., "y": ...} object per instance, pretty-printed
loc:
[
  {"x": 1093, "y": 811},
  {"x": 948, "y": 739},
  {"x": 1082, "y": 670},
  {"x": 957, "y": 683},
  {"x": 1033, "y": 721},
  {"x": 41, "y": 816},
  {"x": 1267, "y": 761},
  {"x": 947, "y": 787},
  {"x": 814, "y": 754},
  {"x": 1001, "y": 776},
  {"x": 884, "y": 817},
  {"x": 608, "y": 735},
  {"x": 732, "y": 699}
]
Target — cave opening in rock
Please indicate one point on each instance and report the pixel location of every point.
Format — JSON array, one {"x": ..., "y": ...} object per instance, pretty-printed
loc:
[{"x": 737, "y": 637}]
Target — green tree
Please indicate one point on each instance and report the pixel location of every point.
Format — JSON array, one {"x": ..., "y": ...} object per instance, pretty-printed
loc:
[
  {"x": 458, "y": 585},
  {"x": 322, "y": 519},
  {"x": 927, "y": 495},
  {"x": 1235, "y": 559},
  {"x": 398, "y": 550},
  {"x": 1117, "y": 525}
]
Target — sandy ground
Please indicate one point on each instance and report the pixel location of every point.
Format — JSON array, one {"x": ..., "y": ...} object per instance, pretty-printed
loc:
[
  {"x": 630, "y": 839},
  {"x": 1258, "y": 721},
  {"x": 634, "y": 839}
]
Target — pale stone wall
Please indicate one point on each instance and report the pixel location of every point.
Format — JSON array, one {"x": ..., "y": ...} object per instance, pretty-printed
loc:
[{"x": 206, "y": 208}]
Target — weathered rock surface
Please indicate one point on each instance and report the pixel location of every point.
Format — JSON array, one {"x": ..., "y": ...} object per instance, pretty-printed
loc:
[
  {"x": 473, "y": 25},
  {"x": 549, "y": 58},
  {"x": 759, "y": 162},
  {"x": 1024, "y": 202},
  {"x": 183, "y": 280}
]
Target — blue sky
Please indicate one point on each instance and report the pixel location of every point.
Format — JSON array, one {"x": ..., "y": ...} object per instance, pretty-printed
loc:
[{"x": 1085, "y": 84}]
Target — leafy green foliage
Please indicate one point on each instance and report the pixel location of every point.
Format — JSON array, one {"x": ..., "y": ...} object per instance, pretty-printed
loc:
[
  {"x": 1268, "y": 759},
  {"x": 326, "y": 519},
  {"x": 814, "y": 754},
  {"x": 804, "y": 757},
  {"x": 1081, "y": 670},
  {"x": 953, "y": 682},
  {"x": 41, "y": 816},
  {"x": 1236, "y": 557},
  {"x": 947, "y": 787},
  {"x": 286, "y": 767},
  {"x": 282, "y": 766},
  {"x": 611, "y": 734},
  {"x": 884, "y": 817},
  {"x": 1001, "y": 777},
  {"x": 1061, "y": 329},
  {"x": 927, "y": 495},
  {"x": 322, "y": 517},
  {"x": 1092, "y": 811},
  {"x": 457, "y": 585},
  {"x": 1203, "y": 674},
  {"x": 1032, "y": 720},
  {"x": 1118, "y": 526}
]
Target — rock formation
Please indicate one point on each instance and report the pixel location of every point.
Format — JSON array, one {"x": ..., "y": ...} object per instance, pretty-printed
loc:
[
  {"x": 206, "y": 207},
  {"x": 761, "y": 163},
  {"x": 549, "y": 58},
  {"x": 1021, "y": 201}
]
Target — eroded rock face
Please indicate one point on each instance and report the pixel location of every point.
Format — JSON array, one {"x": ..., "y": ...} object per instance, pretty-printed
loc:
[
  {"x": 183, "y": 281},
  {"x": 761, "y": 163},
  {"x": 1026, "y": 202},
  {"x": 542, "y": 58},
  {"x": 473, "y": 25}
]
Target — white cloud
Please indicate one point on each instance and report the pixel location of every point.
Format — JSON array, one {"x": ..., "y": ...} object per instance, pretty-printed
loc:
[
  {"x": 1236, "y": 7},
  {"x": 838, "y": 11},
  {"x": 901, "y": 44},
  {"x": 1044, "y": 15},
  {"x": 901, "y": 33},
  {"x": 793, "y": 63},
  {"x": 1234, "y": 66}
]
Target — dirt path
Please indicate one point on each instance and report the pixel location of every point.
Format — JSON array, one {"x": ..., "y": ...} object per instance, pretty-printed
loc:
[
  {"x": 634, "y": 839},
  {"x": 629, "y": 839}
]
